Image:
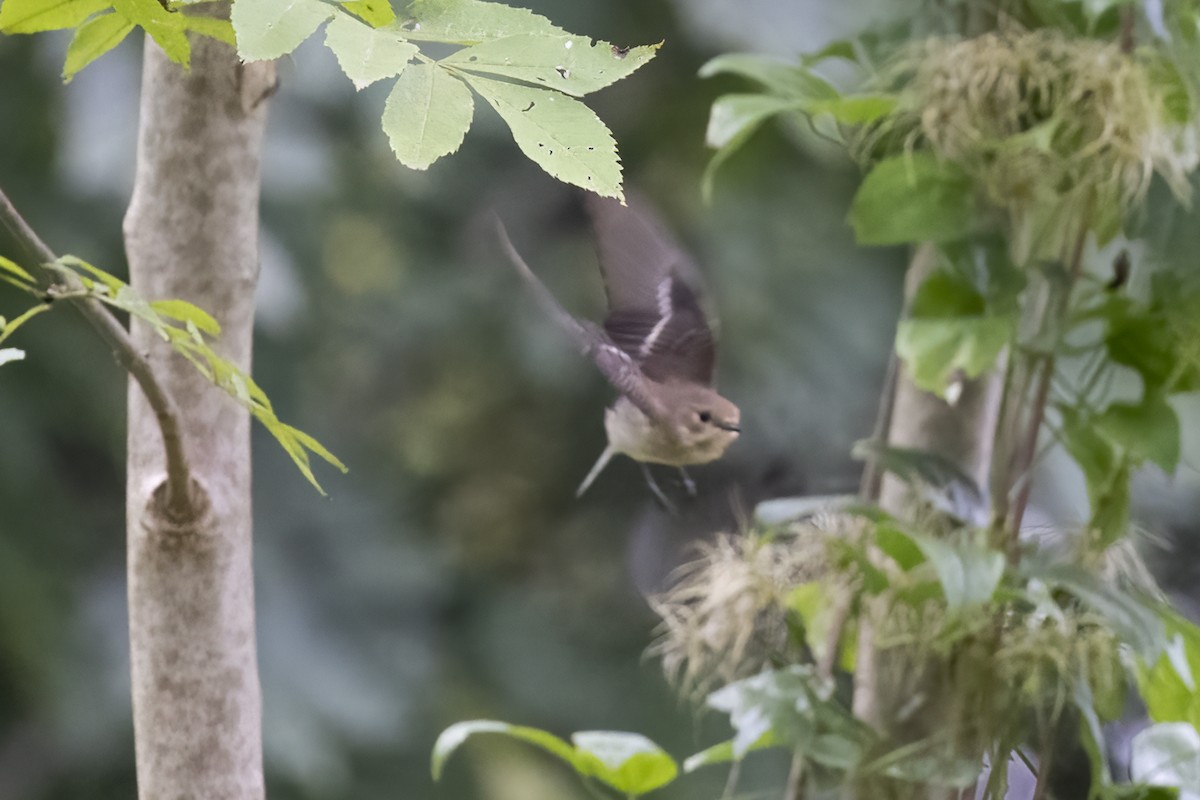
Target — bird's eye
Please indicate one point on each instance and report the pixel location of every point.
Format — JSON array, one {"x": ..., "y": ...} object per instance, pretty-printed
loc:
[{"x": 705, "y": 416}]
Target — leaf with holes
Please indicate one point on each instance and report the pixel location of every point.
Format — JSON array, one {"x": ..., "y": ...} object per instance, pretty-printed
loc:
[
  {"x": 427, "y": 115},
  {"x": 469, "y": 22},
  {"x": 366, "y": 54},
  {"x": 268, "y": 29},
  {"x": 562, "y": 135},
  {"x": 93, "y": 39},
  {"x": 33, "y": 16},
  {"x": 575, "y": 65}
]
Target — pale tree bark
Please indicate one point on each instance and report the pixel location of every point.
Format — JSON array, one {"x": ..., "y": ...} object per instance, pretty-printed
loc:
[{"x": 191, "y": 232}]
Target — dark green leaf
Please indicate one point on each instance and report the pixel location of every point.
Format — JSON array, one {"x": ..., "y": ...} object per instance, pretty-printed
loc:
[{"x": 1147, "y": 430}]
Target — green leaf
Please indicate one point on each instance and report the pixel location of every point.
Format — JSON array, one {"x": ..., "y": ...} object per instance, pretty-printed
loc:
[
  {"x": 13, "y": 268},
  {"x": 469, "y": 22},
  {"x": 733, "y": 120},
  {"x": 184, "y": 311},
  {"x": 451, "y": 738},
  {"x": 1142, "y": 343},
  {"x": 268, "y": 29},
  {"x": 111, "y": 283},
  {"x": 898, "y": 545},
  {"x": 426, "y": 115},
  {"x": 1148, "y": 430},
  {"x": 913, "y": 198},
  {"x": 735, "y": 116},
  {"x": 93, "y": 39},
  {"x": 166, "y": 28},
  {"x": 365, "y": 54},
  {"x": 560, "y": 134},
  {"x": 788, "y": 80},
  {"x": 1168, "y": 684},
  {"x": 1167, "y": 754},
  {"x": 9, "y": 327},
  {"x": 213, "y": 28},
  {"x": 855, "y": 109},
  {"x": 969, "y": 574},
  {"x": 723, "y": 753},
  {"x": 32, "y": 16},
  {"x": 1133, "y": 620},
  {"x": 8, "y": 354},
  {"x": 575, "y": 65},
  {"x": 934, "y": 349},
  {"x": 628, "y": 762},
  {"x": 375, "y": 13}
]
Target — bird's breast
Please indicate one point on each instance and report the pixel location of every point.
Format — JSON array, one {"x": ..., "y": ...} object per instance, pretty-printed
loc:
[{"x": 633, "y": 433}]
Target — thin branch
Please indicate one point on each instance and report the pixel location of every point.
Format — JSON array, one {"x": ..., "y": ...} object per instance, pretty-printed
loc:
[
  {"x": 872, "y": 476},
  {"x": 795, "y": 779},
  {"x": 178, "y": 482}
]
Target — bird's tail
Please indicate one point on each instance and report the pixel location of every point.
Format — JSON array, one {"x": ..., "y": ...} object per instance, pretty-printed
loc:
[{"x": 604, "y": 458}]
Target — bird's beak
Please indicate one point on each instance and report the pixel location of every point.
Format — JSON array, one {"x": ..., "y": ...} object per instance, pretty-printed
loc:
[{"x": 729, "y": 426}]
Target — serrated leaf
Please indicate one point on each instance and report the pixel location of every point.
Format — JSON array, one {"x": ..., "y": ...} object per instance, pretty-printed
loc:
[
  {"x": 185, "y": 312},
  {"x": 166, "y": 28},
  {"x": 268, "y": 29},
  {"x": 366, "y": 54},
  {"x": 376, "y": 13},
  {"x": 628, "y": 762},
  {"x": 1148, "y": 430},
  {"x": 560, "y": 134},
  {"x": 913, "y": 198},
  {"x": 469, "y": 22},
  {"x": 8, "y": 354},
  {"x": 13, "y": 268},
  {"x": 788, "y": 80},
  {"x": 93, "y": 39},
  {"x": 427, "y": 115},
  {"x": 32, "y": 16},
  {"x": 575, "y": 65},
  {"x": 453, "y": 737}
]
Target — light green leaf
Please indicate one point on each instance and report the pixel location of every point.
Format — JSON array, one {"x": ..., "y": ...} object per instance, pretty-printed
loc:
[
  {"x": 733, "y": 120},
  {"x": 968, "y": 574},
  {"x": 316, "y": 447},
  {"x": 111, "y": 282},
  {"x": 1167, "y": 754},
  {"x": 213, "y": 28},
  {"x": 469, "y": 22},
  {"x": 855, "y": 109},
  {"x": 1147, "y": 430},
  {"x": 375, "y": 13},
  {"x": 32, "y": 16},
  {"x": 13, "y": 268},
  {"x": 366, "y": 54},
  {"x": 575, "y": 65},
  {"x": 628, "y": 762},
  {"x": 93, "y": 39},
  {"x": 451, "y": 738},
  {"x": 185, "y": 312},
  {"x": 268, "y": 29},
  {"x": 166, "y": 28},
  {"x": 723, "y": 753},
  {"x": 735, "y": 116},
  {"x": 8, "y": 354},
  {"x": 934, "y": 349},
  {"x": 559, "y": 133},
  {"x": 783, "y": 78},
  {"x": 1168, "y": 684},
  {"x": 9, "y": 327},
  {"x": 913, "y": 198},
  {"x": 426, "y": 115}
]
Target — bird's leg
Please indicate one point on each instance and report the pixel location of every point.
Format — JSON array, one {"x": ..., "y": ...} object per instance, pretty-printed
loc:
[
  {"x": 689, "y": 485},
  {"x": 663, "y": 500}
]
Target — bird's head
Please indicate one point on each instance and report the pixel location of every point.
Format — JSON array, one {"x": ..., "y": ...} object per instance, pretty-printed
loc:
[{"x": 704, "y": 422}]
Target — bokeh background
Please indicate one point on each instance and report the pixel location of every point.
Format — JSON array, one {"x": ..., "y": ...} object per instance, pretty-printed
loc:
[{"x": 452, "y": 574}]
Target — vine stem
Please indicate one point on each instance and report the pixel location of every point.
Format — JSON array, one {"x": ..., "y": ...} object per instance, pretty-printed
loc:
[
  {"x": 1041, "y": 392},
  {"x": 179, "y": 479}
]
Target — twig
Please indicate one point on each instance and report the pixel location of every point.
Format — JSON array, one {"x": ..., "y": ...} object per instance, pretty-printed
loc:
[
  {"x": 178, "y": 482},
  {"x": 795, "y": 779},
  {"x": 872, "y": 476}
]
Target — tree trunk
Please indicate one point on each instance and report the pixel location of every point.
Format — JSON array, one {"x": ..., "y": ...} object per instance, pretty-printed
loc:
[{"x": 191, "y": 232}]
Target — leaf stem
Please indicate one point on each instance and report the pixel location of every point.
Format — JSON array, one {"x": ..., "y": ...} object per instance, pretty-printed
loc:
[{"x": 179, "y": 479}]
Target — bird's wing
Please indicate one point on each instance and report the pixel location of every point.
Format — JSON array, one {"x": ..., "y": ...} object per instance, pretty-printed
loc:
[
  {"x": 655, "y": 315},
  {"x": 614, "y": 363}
]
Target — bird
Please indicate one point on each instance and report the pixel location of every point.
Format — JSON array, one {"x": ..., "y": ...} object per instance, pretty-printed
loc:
[{"x": 656, "y": 347}]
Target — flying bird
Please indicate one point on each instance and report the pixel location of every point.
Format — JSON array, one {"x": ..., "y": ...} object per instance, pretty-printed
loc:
[{"x": 656, "y": 347}]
